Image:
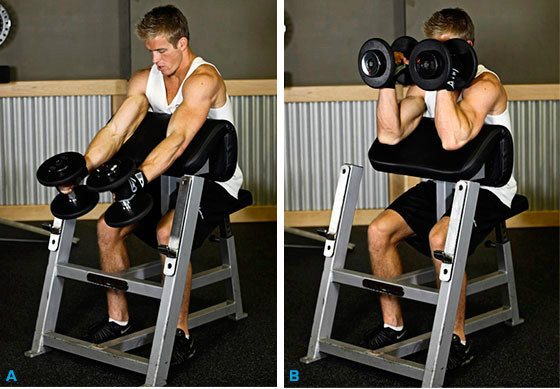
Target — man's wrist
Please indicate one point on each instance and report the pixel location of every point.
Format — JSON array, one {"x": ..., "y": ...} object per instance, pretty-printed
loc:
[{"x": 140, "y": 178}]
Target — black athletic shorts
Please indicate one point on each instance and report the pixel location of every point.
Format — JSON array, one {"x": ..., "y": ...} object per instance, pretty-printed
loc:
[
  {"x": 417, "y": 206},
  {"x": 214, "y": 204}
]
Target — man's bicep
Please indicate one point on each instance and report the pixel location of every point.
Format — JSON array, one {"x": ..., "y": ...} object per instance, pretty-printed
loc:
[
  {"x": 477, "y": 103},
  {"x": 138, "y": 83},
  {"x": 198, "y": 93},
  {"x": 187, "y": 119},
  {"x": 412, "y": 108}
]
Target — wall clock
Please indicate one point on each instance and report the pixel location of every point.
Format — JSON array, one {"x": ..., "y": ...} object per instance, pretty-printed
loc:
[{"x": 5, "y": 24}]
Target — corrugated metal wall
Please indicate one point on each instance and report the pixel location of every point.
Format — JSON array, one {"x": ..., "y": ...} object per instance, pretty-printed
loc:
[
  {"x": 255, "y": 118},
  {"x": 35, "y": 128},
  {"x": 536, "y": 134},
  {"x": 321, "y": 136}
]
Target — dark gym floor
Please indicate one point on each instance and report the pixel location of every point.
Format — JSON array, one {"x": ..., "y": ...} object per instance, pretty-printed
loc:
[
  {"x": 229, "y": 353},
  {"x": 522, "y": 356}
]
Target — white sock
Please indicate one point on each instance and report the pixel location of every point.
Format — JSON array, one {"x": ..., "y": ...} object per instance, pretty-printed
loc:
[
  {"x": 188, "y": 336},
  {"x": 464, "y": 342},
  {"x": 121, "y": 323},
  {"x": 399, "y": 328}
]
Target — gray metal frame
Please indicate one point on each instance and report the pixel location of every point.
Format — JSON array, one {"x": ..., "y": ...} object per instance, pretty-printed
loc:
[
  {"x": 409, "y": 285},
  {"x": 133, "y": 280}
]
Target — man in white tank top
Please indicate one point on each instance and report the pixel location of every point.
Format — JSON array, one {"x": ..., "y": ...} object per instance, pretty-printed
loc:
[
  {"x": 459, "y": 116},
  {"x": 192, "y": 90}
]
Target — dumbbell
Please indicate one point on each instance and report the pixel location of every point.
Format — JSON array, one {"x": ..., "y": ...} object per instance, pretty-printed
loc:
[
  {"x": 377, "y": 65},
  {"x": 432, "y": 63},
  {"x": 113, "y": 176},
  {"x": 68, "y": 169}
]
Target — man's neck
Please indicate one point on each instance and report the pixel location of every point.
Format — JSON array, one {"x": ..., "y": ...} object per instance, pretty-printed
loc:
[{"x": 183, "y": 68}]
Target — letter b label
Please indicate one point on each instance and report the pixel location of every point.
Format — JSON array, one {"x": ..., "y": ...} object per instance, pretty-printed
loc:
[{"x": 294, "y": 375}]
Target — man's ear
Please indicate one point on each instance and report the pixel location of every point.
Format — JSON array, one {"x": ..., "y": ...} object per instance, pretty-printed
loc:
[
  {"x": 470, "y": 42},
  {"x": 183, "y": 43}
]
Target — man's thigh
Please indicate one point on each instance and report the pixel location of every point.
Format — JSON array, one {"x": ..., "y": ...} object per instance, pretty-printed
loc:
[
  {"x": 417, "y": 207},
  {"x": 214, "y": 203}
]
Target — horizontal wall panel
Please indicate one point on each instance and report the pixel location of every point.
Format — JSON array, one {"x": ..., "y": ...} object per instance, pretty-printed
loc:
[
  {"x": 319, "y": 138},
  {"x": 33, "y": 129}
]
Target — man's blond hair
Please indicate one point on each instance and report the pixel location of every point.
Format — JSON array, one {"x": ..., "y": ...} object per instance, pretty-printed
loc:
[
  {"x": 166, "y": 21},
  {"x": 451, "y": 21}
]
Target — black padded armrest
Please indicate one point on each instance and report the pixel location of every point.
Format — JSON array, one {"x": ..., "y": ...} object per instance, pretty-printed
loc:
[
  {"x": 215, "y": 142},
  {"x": 421, "y": 154}
]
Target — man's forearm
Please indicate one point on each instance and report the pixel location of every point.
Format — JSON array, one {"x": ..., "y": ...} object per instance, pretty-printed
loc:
[
  {"x": 388, "y": 116},
  {"x": 104, "y": 145},
  {"x": 110, "y": 138},
  {"x": 453, "y": 126},
  {"x": 164, "y": 155}
]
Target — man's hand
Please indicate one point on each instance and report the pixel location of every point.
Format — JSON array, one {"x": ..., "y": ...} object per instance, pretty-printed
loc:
[
  {"x": 450, "y": 83},
  {"x": 66, "y": 188},
  {"x": 400, "y": 58}
]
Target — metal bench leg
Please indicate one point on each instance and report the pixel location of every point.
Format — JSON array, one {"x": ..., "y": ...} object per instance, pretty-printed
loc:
[
  {"x": 505, "y": 263},
  {"x": 229, "y": 258},
  {"x": 451, "y": 276},
  {"x": 175, "y": 270},
  {"x": 336, "y": 246},
  {"x": 60, "y": 244}
]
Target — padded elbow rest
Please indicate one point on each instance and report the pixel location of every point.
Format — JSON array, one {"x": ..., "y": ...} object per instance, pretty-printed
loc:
[
  {"x": 215, "y": 142},
  {"x": 421, "y": 154}
]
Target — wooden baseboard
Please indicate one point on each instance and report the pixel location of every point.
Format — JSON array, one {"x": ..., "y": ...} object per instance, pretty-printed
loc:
[
  {"x": 363, "y": 217},
  {"x": 253, "y": 214}
]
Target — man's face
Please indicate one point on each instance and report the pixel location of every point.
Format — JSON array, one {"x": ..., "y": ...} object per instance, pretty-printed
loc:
[{"x": 164, "y": 55}]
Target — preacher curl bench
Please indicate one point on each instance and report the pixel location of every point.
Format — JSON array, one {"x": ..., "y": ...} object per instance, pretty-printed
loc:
[
  {"x": 486, "y": 160},
  {"x": 211, "y": 155}
]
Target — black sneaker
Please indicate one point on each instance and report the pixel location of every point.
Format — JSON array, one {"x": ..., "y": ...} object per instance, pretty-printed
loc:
[
  {"x": 459, "y": 355},
  {"x": 183, "y": 349},
  {"x": 104, "y": 331},
  {"x": 380, "y": 337}
]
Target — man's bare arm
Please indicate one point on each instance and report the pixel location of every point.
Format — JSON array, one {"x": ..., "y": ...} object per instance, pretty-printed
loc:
[
  {"x": 199, "y": 94},
  {"x": 395, "y": 121},
  {"x": 458, "y": 123},
  {"x": 110, "y": 138}
]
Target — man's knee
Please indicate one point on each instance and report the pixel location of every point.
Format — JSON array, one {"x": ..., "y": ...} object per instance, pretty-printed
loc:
[
  {"x": 382, "y": 233},
  {"x": 163, "y": 231},
  {"x": 107, "y": 236},
  {"x": 437, "y": 237}
]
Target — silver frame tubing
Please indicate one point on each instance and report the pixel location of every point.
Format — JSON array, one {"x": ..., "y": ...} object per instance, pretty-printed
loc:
[
  {"x": 175, "y": 270},
  {"x": 60, "y": 245},
  {"x": 229, "y": 260},
  {"x": 336, "y": 246},
  {"x": 451, "y": 276}
]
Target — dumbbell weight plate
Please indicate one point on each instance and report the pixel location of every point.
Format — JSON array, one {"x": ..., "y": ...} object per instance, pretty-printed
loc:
[
  {"x": 124, "y": 213},
  {"x": 404, "y": 44},
  {"x": 464, "y": 57},
  {"x": 62, "y": 169},
  {"x": 376, "y": 64},
  {"x": 85, "y": 200},
  {"x": 430, "y": 64},
  {"x": 111, "y": 174}
]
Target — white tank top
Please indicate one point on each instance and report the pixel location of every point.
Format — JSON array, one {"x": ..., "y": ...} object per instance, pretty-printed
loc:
[
  {"x": 504, "y": 193},
  {"x": 157, "y": 97}
]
